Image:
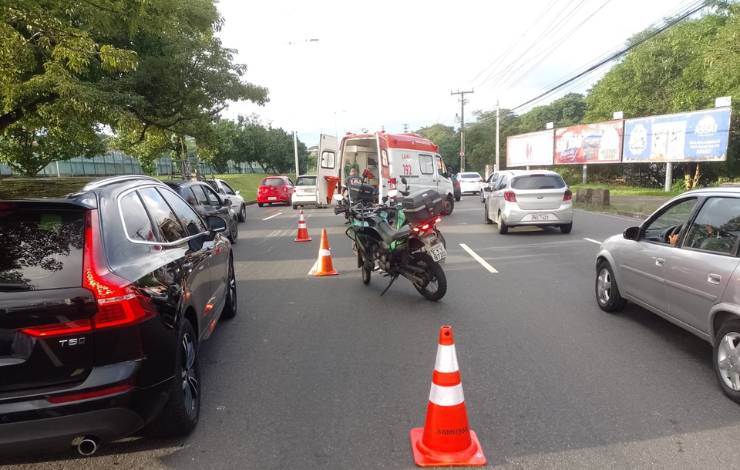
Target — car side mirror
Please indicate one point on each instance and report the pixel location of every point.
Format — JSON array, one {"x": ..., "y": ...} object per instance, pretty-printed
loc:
[
  {"x": 403, "y": 180},
  {"x": 215, "y": 224},
  {"x": 631, "y": 233},
  {"x": 226, "y": 203},
  {"x": 238, "y": 192},
  {"x": 487, "y": 189}
]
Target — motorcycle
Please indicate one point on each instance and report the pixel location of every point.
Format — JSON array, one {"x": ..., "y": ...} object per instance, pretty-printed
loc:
[{"x": 398, "y": 237}]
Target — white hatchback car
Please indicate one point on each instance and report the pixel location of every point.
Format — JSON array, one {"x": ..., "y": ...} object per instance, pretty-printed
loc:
[
  {"x": 538, "y": 197},
  {"x": 470, "y": 182},
  {"x": 227, "y": 192},
  {"x": 305, "y": 191}
]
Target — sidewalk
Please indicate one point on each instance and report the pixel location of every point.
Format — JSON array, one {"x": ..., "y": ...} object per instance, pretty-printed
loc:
[{"x": 639, "y": 207}]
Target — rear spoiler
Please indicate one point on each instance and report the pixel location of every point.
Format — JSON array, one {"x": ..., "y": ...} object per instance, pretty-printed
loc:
[{"x": 79, "y": 201}]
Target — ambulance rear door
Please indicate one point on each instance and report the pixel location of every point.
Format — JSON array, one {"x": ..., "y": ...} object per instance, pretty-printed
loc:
[{"x": 327, "y": 180}]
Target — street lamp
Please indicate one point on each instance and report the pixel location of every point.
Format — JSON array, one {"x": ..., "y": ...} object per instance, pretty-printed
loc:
[{"x": 295, "y": 134}]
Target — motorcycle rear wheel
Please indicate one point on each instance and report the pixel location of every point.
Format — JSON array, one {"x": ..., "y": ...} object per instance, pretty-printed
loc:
[
  {"x": 366, "y": 275},
  {"x": 436, "y": 285}
]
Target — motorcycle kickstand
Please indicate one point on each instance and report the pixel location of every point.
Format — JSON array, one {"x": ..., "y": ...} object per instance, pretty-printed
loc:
[{"x": 393, "y": 279}]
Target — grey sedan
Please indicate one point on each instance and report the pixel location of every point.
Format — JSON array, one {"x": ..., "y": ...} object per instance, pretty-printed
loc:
[{"x": 682, "y": 264}]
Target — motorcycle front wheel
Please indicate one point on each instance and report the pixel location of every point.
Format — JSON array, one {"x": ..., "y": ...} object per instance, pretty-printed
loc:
[{"x": 435, "y": 285}]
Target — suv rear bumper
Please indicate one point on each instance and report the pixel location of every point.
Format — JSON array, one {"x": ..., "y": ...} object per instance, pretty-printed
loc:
[{"x": 58, "y": 432}]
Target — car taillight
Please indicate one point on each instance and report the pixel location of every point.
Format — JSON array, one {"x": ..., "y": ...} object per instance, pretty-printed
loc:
[
  {"x": 391, "y": 183},
  {"x": 87, "y": 395},
  {"x": 568, "y": 195},
  {"x": 118, "y": 303},
  {"x": 426, "y": 226},
  {"x": 509, "y": 196}
]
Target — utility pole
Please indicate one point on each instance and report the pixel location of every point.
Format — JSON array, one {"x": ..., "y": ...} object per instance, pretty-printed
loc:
[
  {"x": 405, "y": 128},
  {"x": 295, "y": 152},
  {"x": 496, "y": 167},
  {"x": 462, "y": 125}
]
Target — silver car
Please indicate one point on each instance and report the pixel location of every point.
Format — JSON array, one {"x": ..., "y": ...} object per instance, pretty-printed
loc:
[
  {"x": 682, "y": 264},
  {"x": 538, "y": 197},
  {"x": 227, "y": 192}
]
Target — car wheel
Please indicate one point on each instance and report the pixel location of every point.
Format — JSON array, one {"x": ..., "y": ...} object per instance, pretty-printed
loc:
[
  {"x": 727, "y": 359},
  {"x": 607, "y": 291},
  {"x": 260, "y": 204},
  {"x": 366, "y": 272},
  {"x": 231, "y": 306},
  {"x": 180, "y": 415},
  {"x": 449, "y": 205},
  {"x": 243, "y": 213},
  {"x": 566, "y": 228},
  {"x": 486, "y": 219},
  {"x": 234, "y": 233},
  {"x": 503, "y": 229}
]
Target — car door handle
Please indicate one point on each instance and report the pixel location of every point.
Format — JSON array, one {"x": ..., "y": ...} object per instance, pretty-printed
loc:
[
  {"x": 659, "y": 262},
  {"x": 714, "y": 278}
]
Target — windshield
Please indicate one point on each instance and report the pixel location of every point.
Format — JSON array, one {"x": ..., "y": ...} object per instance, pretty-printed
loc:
[
  {"x": 306, "y": 181},
  {"x": 538, "y": 182},
  {"x": 470, "y": 176}
]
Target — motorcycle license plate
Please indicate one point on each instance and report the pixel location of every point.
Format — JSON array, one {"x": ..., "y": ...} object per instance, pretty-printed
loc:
[{"x": 437, "y": 252}]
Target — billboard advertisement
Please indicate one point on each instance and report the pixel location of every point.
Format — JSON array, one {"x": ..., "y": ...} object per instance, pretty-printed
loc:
[
  {"x": 684, "y": 137},
  {"x": 589, "y": 143},
  {"x": 534, "y": 149}
]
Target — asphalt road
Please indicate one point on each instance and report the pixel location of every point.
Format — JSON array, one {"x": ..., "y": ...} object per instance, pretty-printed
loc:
[{"x": 325, "y": 373}]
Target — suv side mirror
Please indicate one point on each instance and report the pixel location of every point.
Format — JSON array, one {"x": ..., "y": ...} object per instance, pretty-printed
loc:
[
  {"x": 631, "y": 233},
  {"x": 226, "y": 203},
  {"x": 215, "y": 224}
]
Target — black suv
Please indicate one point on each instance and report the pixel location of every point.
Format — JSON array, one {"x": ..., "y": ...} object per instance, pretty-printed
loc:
[{"x": 105, "y": 297}]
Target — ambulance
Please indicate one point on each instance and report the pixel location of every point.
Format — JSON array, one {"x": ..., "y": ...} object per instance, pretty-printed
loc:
[{"x": 383, "y": 159}]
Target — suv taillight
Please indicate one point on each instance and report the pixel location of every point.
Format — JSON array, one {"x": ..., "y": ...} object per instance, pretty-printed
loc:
[
  {"x": 509, "y": 196},
  {"x": 118, "y": 303},
  {"x": 568, "y": 195}
]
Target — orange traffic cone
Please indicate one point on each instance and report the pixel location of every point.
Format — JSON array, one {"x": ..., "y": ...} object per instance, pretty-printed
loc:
[
  {"x": 445, "y": 440},
  {"x": 303, "y": 235},
  {"x": 323, "y": 265}
]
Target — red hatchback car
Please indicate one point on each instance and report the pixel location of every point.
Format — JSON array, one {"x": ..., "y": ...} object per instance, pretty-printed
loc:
[{"x": 275, "y": 189}]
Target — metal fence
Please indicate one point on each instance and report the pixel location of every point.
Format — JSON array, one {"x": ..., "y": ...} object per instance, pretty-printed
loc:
[{"x": 118, "y": 163}]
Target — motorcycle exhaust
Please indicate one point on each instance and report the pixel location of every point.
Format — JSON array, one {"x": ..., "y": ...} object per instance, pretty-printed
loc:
[{"x": 86, "y": 445}]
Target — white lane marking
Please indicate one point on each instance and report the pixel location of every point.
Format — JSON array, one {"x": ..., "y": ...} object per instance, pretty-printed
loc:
[
  {"x": 480, "y": 260},
  {"x": 592, "y": 240},
  {"x": 446, "y": 396},
  {"x": 273, "y": 215}
]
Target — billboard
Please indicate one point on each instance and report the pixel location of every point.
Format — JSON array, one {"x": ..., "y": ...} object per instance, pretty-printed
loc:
[
  {"x": 683, "y": 137},
  {"x": 589, "y": 143},
  {"x": 533, "y": 149}
]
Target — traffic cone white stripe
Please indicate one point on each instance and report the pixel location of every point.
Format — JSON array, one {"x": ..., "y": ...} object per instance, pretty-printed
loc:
[
  {"x": 323, "y": 252},
  {"x": 446, "y": 359},
  {"x": 446, "y": 396}
]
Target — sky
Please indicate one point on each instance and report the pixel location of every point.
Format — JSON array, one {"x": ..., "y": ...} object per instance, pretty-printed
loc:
[{"x": 333, "y": 67}]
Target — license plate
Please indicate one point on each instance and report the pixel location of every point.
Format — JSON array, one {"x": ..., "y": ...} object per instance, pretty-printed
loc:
[
  {"x": 540, "y": 217},
  {"x": 438, "y": 252},
  {"x": 272, "y": 198}
]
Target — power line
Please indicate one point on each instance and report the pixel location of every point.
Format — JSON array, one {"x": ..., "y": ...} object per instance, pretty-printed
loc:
[
  {"x": 562, "y": 18},
  {"x": 509, "y": 50},
  {"x": 556, "y": 43},
  {"x": 615, "y": 55}
]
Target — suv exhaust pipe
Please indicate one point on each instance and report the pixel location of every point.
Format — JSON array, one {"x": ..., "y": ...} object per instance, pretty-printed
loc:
[{"x": 86, "y": 445}]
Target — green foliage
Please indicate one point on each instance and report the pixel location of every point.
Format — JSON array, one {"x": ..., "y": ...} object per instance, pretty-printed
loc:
[{"x": 448, "y": 141}]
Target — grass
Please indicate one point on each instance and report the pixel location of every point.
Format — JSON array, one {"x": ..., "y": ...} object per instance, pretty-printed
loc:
[
  {"x": 624, "y": 190},
  {"x": 19, "y": 188}
]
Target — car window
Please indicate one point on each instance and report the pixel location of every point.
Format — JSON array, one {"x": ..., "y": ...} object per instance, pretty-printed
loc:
[
  {"x": 40, "y": 249},
  {"x": 187, "y": 216},
  {"x": 538, "y": 182},
  {"x": 426, "y": 164},
  {"x": 470, "y": 176},
  {"x": 227, "y": 189},
  {"x": 328, "y": 159},
  {"x": 502, "y": 182},
  {"x": 162, "y": 216},
  {"x": 441, "y": 167},
  {"x": 213, "y": 198},
  {"x": 200, "y": 195},
  {"x": 135, "y": 219},
  {"x": 716, "y": 227},
  {"x": 306, "y": 181},
  {"x": 673, "y": 219},
  {"x": 273, "y": 182}
]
